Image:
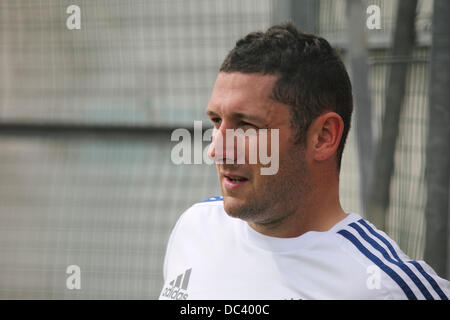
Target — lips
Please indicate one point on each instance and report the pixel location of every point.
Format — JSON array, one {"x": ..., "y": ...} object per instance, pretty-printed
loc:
[
  {"x": 235, "y": 178},
  {"x": 233, "y": 181}
]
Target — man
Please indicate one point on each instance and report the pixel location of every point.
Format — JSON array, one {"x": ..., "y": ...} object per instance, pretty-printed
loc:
[{"x": 286, "y": 236}]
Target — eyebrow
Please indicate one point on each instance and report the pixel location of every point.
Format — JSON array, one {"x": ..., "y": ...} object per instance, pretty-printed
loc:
[{"x": 237, "y": 115}]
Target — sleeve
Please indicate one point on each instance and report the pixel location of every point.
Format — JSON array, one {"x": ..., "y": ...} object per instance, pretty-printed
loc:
[
  {"x": 439, "y": 287},
  {"x": 427, "y": 285}
]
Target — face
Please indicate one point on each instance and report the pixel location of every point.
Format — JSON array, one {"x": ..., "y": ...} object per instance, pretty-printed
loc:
[{"x": 243, "y": 101}]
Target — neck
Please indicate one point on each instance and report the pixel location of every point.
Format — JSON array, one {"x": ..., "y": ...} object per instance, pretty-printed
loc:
[{"x": 322, "y": 211}]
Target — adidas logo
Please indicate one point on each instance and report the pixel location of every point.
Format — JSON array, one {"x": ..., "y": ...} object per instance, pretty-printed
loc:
[{"x": 177, "y": 287}]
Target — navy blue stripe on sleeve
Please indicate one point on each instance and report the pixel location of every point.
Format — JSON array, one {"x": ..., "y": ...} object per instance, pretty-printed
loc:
[
  {"x": 379, "y": 236},
  {"x": 400, "y": 264},
  {"x": 391, "y": 273},
  {"x": 430, "y": 279}
]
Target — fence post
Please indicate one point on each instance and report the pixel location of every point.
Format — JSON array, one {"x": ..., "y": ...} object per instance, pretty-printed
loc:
[
  {"x": 402, "y": 48},
  {"x": 358, "y": 58},
  {"x": 438, "y": 152}
]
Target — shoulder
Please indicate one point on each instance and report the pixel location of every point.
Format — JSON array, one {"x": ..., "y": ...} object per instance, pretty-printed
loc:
[
  {"x": 203, "y": 215},
  {"x": 195, "y": 222},
  {"x": 209, "y": 207},
  {"x": 388, "y": 270}
]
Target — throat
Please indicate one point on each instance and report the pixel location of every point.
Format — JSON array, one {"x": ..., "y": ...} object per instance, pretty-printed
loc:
[
  {"x": 279, "y": 228},
  {"x": 295, "y": 225}
]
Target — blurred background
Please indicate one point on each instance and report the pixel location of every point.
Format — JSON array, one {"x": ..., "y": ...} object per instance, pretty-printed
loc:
[{"x": 86, "y": 116}]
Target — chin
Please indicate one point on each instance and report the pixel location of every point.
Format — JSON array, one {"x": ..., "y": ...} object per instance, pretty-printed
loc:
[
  {"x": 240, "y": 208},
  {"x": 234, "y": 207}
]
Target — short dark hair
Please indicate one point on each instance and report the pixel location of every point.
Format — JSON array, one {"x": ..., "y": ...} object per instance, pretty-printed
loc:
[{"x": 312, "y": 77}]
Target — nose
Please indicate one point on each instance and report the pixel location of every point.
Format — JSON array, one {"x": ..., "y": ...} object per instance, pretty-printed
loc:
[{"x": 219, "y": 150}]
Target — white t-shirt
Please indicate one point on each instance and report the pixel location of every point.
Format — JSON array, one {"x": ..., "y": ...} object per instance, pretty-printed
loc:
[{"x": 211, "y": 255}]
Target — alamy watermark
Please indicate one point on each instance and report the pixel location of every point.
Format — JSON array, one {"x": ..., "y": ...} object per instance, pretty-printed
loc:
[
  {"x": 374, "y": 280},
  {"x": 73, "y": 281},
  {"x": 374, "y": 19},
  {"x": 73, "y": 21},
  {"x": 240, "y": 147}
]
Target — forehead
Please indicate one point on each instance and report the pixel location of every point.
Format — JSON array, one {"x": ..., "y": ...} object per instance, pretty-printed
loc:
[{"x": 237, "y": 92}]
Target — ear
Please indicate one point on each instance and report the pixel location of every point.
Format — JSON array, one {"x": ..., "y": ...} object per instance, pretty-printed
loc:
[{"x": 325, "y": 135}]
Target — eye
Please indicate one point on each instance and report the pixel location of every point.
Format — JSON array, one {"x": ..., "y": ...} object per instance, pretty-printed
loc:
[{"x": 216, "y": 120}]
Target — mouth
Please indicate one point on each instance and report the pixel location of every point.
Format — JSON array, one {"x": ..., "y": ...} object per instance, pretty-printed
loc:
[{"x": 233, "y": 181}]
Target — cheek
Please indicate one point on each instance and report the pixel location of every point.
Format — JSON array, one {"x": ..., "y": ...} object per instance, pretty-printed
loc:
[{"x": 251, "y": 150}]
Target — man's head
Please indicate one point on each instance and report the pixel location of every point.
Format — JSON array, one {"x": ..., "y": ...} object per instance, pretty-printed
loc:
[
  {"x": 311, "y": 77},
  {"x": 294, "y": 82}
]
